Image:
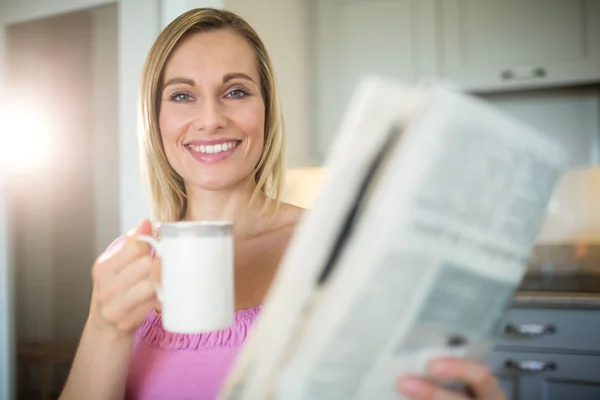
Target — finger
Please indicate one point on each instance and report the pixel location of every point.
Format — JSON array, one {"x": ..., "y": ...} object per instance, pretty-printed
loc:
[
  {"x": 144, "y": 228},
  {"x": 134, "y": 273},
  {"x": 133, "y": 246},
  {"x": 117, "y": 310},
  {"x": 421, "y": 389},
  {"x": 114, "y": 285},
  {"x": 474, "y": 374},
  {"x": 125, "y": 253},
  {"x": 136, "y": 317}
]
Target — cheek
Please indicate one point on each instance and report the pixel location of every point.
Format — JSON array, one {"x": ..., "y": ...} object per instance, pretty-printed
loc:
[
  {"x": 253, "y": 124},
  {"x": 171, "y": 130},
  {"x": 171, "y": 127}
]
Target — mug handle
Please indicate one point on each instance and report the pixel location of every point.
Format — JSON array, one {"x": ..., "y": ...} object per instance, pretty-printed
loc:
[{"x": 154, "y": 243}]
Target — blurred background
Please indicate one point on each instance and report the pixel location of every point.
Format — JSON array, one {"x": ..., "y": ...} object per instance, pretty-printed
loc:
[{"x": 69, "y": 73}]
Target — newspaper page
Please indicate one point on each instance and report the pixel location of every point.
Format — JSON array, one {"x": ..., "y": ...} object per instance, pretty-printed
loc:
[
  {"x": 289, "y": 298},
  {"x": 439, "y": 239}
]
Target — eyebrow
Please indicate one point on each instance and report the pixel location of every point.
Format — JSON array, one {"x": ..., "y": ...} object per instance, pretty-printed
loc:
[
  {"x": 191, "y": 82},
  {"x": 234, "y": 75},
  {"x": 175, "y": 81}
]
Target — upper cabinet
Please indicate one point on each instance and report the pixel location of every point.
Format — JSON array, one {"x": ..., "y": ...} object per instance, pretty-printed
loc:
[
  {"x": 479, "y": 46},
  {"x": 354, "y": 38},
  {"x": 503, "y": 44}
]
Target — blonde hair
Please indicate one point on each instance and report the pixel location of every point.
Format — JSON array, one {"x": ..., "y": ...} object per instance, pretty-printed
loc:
[{"x": 166, "y": 187}]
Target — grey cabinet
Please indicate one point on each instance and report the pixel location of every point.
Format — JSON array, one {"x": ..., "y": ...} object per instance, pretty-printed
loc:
[
  {"x": 549, "y": 354},
  {"x": 547, "y": 376}
]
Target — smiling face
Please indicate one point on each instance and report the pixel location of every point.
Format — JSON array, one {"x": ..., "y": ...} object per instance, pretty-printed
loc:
[{"x": 212, "y": 114}]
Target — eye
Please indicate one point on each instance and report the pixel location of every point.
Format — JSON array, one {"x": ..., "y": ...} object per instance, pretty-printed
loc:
[
  {"x": 181, "y": 97},
  {"x": 237, "y": 94}
]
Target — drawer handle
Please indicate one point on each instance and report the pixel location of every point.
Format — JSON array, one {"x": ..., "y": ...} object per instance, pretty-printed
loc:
[
  {"x": 523, "y": 73},
  {"x": 530, "y": 330},
  {"x": 530, "y": 366}
]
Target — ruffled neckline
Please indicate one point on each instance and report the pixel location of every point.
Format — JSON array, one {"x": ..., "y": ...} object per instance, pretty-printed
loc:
[{"x": 152, "y": 333}]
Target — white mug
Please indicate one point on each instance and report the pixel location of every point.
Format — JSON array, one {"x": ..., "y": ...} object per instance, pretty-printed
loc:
[{"x": 197, "y": 275}]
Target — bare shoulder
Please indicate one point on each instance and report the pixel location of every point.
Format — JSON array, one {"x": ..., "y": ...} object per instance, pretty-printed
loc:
[
  {"x": 284, "y": 223},
  {"x": 290, "y": 214}
]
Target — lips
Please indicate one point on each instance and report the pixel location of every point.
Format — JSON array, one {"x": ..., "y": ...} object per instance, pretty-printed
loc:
[{"x": 208, "y": 151}]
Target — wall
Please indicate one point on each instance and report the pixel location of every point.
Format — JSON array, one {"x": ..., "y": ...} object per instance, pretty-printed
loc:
[
  {"x": 138, "y": 26},
  {"x": 7, "y": 289},
  {"x": 104, "y": 50},
  {"x": 7, "y": 349},
  {"x": 284, "y": 26},
  {"x": 171, "y": 9},
  {"x": 570, "y": 115}
]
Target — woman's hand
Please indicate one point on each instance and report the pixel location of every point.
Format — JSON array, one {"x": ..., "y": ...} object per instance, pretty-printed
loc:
[
  {"x": 473, "y": 374},
  {"x": 123, "y": 292}
]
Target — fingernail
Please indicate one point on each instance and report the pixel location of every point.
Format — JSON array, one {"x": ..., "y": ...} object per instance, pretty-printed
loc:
[{"x": 411, "y": 387}]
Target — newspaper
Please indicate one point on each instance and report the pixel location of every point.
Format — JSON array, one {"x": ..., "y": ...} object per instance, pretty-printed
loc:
[{"x": 414, "y": 247}]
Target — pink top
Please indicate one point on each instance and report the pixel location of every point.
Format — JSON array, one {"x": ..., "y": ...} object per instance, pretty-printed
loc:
[{"x": 173, "y": 366}]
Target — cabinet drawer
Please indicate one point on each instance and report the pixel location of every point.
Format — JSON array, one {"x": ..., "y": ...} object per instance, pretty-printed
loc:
[
  {"x": 556, "y": 330},
  {"x": 546, "y": 376}
]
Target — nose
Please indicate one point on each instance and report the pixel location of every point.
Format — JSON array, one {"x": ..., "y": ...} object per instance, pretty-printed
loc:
[{"x": 211, "y": 117}]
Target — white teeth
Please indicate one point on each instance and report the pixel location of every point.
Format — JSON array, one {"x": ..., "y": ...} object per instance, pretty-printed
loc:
[{"x": 213, "y": 149}]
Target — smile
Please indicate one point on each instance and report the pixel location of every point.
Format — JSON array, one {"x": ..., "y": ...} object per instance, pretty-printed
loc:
[
  {"x": 213, "y": 149},
  {"x": 211, "y": 153}
]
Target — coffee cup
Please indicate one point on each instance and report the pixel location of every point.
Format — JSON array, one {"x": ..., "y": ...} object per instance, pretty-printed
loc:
[{"x": 197, "y": 289}]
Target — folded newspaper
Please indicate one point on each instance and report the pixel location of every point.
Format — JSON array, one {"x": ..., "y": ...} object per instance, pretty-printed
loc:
[{"x": 414, "y": 247}]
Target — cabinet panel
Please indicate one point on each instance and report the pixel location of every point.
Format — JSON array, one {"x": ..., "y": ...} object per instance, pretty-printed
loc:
[
  {"x": 502, "y": 44},
  {"x": 386, "y": 50},
  {"x": 548, "y": 376},
  {"x": 567, "y": 330},
  {"x": 353, "y": 38}
]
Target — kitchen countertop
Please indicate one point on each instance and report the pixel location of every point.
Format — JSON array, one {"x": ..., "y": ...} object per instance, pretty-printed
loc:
[{"x": 569, "y": 300}]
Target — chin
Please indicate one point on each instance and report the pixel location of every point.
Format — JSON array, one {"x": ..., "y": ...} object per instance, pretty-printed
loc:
[{"x": 217, "y": 183}]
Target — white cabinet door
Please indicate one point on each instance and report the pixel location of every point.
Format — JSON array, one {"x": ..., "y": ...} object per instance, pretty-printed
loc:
[
  {"x": 506, "y": 44},
  {"x": 352, "y": 38}
]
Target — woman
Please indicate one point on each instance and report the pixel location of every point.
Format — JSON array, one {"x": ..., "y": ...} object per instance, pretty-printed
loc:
[{"x": 213, "y": 150}]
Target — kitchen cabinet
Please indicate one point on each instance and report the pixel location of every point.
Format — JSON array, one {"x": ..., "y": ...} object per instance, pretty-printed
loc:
[
  {"x": 500, "y": 44},
  {"x": 479, "y": 46},
  {"x": 357, "y": 37},
  {"x": 549, "y": 354},
  {"x": 547, "y": 376}
]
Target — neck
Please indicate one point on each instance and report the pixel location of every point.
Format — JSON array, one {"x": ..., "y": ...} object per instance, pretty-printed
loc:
[{"x": 228, "y": 205}]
